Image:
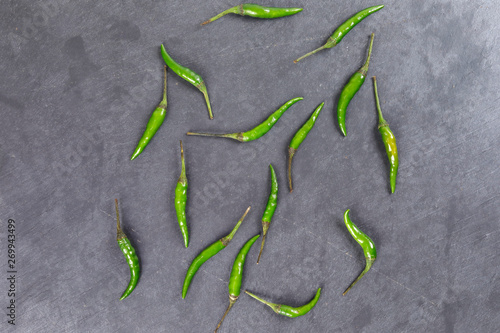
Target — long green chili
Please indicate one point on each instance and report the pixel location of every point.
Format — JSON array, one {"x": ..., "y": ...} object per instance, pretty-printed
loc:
[
  {"x": 344, "y": 28},
  {"x": 129, "y": 253},
  {"x": 289, "y": 311},
  {"x": 237, "y": 275},
  {"x": 154, "y": 122},
  {"x": 181, "y": 199},
  {"x": 253, "y": 10},
  {"x": 272, "y": 202},
  {"x": 208, "y": 253},
  {"x": 389, "y": 142},
  {"x": 257, "y": 131},
  {"x": 298, "y": 138}
]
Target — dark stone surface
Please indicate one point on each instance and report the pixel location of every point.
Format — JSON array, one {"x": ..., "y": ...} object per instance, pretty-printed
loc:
[{"x": 79, "y": 81}]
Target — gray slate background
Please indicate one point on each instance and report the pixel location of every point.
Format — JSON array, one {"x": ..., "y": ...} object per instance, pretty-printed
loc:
[{"x": 79, "y": 81}]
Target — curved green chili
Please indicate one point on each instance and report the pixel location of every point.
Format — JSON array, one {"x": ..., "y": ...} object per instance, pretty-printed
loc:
[
  {"x": 129, "y": 253},
  {"x": 253, "y": 10},
  {"x": 237, "y": 275},
  {"x": 257, "y": 131},
  {"x": 208, "y": 253},
  {"x": 351, "y": 88},
  {"x": 272, "y": 202},
  {"x": 298, "y": 138},
  {"x": 366, "y": 244},
  {"x": 188, "y": 75},
  {"x": 344, "y": 28},
  {"x": 180, "y": 200},
  {"x": 389, "y": 142},
  {"x": 154, "y": 122},
  {"x": 287, "y": 310}
]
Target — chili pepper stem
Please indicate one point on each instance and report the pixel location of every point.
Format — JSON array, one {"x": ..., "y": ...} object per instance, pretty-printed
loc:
[
  {"x": 310, "y": 53},
  {"x": 232, "y": 300},
  {"x": 230, "y": 136},
  {"x": 364, "y": 70},
  {"x": 207, "y": 100},
  {"x": 369, "y": 263},
  {"x": 119, "y": 233},
  {"x": 275, "y": 307},
  {"x": 182, "y": 178},
  {"x": 229, "y": 237},
  {"x": 291, "y": 152},
  {"x": 164, "y": 100},
  {"x": 233, "y": 10},
  {"x": 381, "y": 120},
  {"x": 265, "y": 227}
]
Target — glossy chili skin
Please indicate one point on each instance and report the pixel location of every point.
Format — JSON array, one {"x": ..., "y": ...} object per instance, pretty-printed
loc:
[
  {"x": 130, "y": 255},
  {"x": 290, "y": 311},
  {"x": 188, "y": 75},
  {"x": 181, "y": 199},
  {"x": 351, "y": 88},
  {"x": 298, "y": 138},
  {"x": 154, "y": 122},
  {"x": 344, "y": 28},
  {"x": 272, "y": 202},
  {"x": 237, "y": 275},
  {"x": 257, "y": 11},
  {"x": 257, "y": 131},
  {"x": 366, "y": 244},
  {"x": 208, "y": 253},
  {"x": 389, "y": 142}
]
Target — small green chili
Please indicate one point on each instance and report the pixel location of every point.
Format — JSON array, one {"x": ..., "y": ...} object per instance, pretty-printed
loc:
[
  {"x": 154, "y": 122},
  {"x": 208, "y": 253},
  {"x": 287, "y": 310},
  {"x": 188, "y": 75},
  {"x": 253, "y": 10},
  {"x": 129, "y": 253},
  {"x": 351, "y": 88},
  {"x": 237, "y": 275},
  {"x": 389, "y": 142},
  {"x": 344, "y": 28},
  {"x": 180, "y": 200},
  {"x": 257, "y": 131},
  {"x": 272, "y": 202},
  {"x": 366, "y": 244},
  {"x": 298, "y": 138}
]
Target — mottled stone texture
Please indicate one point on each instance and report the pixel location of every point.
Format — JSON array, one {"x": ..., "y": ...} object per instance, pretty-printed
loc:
[{"x": 79, "y": 80}]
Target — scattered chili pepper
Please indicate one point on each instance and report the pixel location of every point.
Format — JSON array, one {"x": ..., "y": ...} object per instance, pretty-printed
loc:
[
  {"x": 298, "y": 138},
  {"x": 344, "y": 28},
  {"x": 351, "y": 88},
  {"x": 287, "y": 310},
  {"x": 129, "y": 253},
  {"x": 253, "y": 10},
  {"x": 154, "y": 122},
  {"x": 180, "y": 200},
  {"x": 237, "y": 275},
  {"x": 272, "y": 202},
  {"x": 366, "y": 244},
  {"x": 389, "y": 142},
  {"x": 188, "y": 75},
  {"x": 208, "y": 253},
  {"x": 257, "y": 131}
]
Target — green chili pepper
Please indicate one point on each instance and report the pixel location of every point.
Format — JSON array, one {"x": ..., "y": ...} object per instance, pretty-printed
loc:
[
  {"x": 298, "y": 138},
  {"x": 272, "y": 202},
  {"x": 257, "y": 131},
  {"x": 366, "y": 244},
  {"x": 287, "y": 310},
  {"x": 188, "y": 75},
  {"x": 253, "y": 10},
  {"x": 351, "y": 88},
  {"x": 129, "y": 253},
  {"x": 154, "y": 122},
  {"x": 389, "y": 142},
  {"x": 344, "y": 28},
  {"x": 208, "y": 253},
  {"x": 237, "y": 275},
  {"x": 180, "y": 200}
]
